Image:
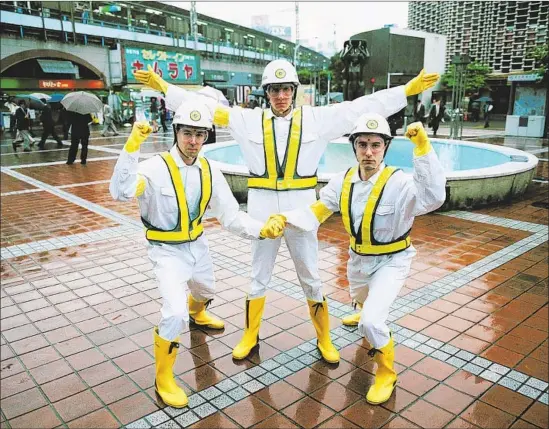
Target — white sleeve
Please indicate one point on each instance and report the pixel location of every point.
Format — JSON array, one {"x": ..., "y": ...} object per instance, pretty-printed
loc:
[
  {"x": 123, "y": 185},
  {"x": 225, "y": 209},
  {"x": 236, "y": 121},
  {"x": 304, "y": 219},
  {"x": 427, "y": 191},
  {"x": 337, "y": 119}
]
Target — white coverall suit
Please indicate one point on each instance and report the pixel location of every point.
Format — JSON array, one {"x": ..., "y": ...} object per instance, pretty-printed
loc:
[
  {"x": 319, "y": 126},
  {"x": 179, "y": 266},
  {"x": 375, "y": 281}
]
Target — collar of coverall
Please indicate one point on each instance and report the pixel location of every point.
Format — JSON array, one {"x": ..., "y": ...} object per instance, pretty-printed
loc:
[
  {"x": 288, "y": 117},
  {"x": 356, "y": 177},
  {"x": 179, "y": 161}
]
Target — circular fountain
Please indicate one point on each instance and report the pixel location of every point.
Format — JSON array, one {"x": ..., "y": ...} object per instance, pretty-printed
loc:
[{"x": 477, "y": 173}]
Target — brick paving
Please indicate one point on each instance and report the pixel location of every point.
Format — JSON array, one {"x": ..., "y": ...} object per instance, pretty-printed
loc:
[{"x": 79, "y": 300}]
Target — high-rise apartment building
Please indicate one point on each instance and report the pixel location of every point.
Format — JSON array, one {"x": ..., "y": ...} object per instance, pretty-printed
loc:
[{"x": 496, "y": 33}]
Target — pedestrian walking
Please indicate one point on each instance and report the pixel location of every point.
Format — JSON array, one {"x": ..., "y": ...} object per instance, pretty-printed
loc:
[
  {"x": 163, "y": 114},
  {"x": 80, "y": 135},
  {"x": 436, "y": 114},
  {"x": 419, "y": 112},
  {"x": 48, "y": 126},
  {"x": 154, "y": 115},
  {"x": 22, "y": 117},
  {"x": 487, "y": 112},
  {"x": 12, "y": 107},
  {"x": 282, "y": 148},
  {"x": 174, "y": 189},
  {"x": 378, "y": 205},
  {"x": 108, "y": 122}
]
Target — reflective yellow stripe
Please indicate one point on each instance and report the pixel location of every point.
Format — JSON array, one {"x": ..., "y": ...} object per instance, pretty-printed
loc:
[
  {"x": 197, "y": 227},
  {"x": 181, "y": 233},
  {"x": 141, "y": 185},
  {"x": 346, "y": 200},
  {"x": 290, "y": 179},
  {"x": 221, "y": 117},
  {"x": 365, "y": 236}
]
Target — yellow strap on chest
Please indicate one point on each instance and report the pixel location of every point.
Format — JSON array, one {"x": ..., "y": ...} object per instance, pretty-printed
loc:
[
  {"x": 186, "y": 229},
  {"x": 364, "y": 242},
  {"x": 282, "y": 177}
]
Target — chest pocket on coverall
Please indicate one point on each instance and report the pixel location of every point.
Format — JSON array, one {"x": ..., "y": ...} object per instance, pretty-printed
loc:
[
  {"x": 384, "y": 217},
  {"x": 169, "y": 199}
]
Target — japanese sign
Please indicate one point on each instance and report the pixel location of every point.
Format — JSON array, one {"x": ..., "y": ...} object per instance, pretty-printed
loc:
[
  {"x": 70, "y": 84},
  {"x": 173, "y": 67}
]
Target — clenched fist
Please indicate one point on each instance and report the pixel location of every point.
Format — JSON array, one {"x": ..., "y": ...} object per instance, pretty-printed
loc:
[
  {"x": 418, "y": 135},
  {"x": 140, "y": 132}
]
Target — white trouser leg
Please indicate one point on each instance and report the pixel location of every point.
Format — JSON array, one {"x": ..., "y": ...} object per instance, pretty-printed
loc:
[
  {"x": 202, "y": 282},
  {"x": 263, "y": 258},
  {"x": 303, "y": 247},
  {"x": 173, "y": 269},
  {"x": 382, "y": 289},
  {"x": 27, "y": 139}
]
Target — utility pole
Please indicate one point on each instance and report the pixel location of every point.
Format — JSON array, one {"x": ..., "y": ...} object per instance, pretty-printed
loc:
[
  {"x": 296, "y": 32},
  {"x": 194, "y": 25}
]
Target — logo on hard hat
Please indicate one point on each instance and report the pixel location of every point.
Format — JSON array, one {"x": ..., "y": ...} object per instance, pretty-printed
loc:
[
  {"x": 195, "y": 115},
  {"x": 371, "y": 124},
  {"x": 280, "y": 73}
]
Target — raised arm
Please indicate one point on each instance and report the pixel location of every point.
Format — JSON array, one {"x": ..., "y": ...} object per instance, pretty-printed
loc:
[
  {"x": 223, "y": 116},
  {"x": 335, "y": 120},
  {"x": 126, "y": 183},
  {"x": 309, "y": 218},
  {"x": 427, "y": 191}
]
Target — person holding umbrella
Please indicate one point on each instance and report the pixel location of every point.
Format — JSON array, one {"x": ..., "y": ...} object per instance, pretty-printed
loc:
[
  {"x": 48, "y": 126},
  {"x": 22, "y": 118},
  {"x": 80, "y": 105}
]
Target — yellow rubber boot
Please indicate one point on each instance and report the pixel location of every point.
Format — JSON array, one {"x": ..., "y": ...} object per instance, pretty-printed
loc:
[
  {"x": 165, "y": 353},
  {"x": 321, "y": 321},
  {"x": 254, "y": 313},
  {"x": 386, "y": 376},
  {"x": 198, "y": 315},
  {"x": 353, "y": 319}
]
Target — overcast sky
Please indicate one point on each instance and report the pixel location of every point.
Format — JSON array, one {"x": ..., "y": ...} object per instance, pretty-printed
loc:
[{"x": 317, "y": 19}]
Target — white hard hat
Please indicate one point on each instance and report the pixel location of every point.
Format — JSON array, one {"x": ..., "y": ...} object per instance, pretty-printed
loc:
[
  {"x": 279, "y": 71},
  {"x": 193, "y": 115},
  {"x": 371, "y": 123}
]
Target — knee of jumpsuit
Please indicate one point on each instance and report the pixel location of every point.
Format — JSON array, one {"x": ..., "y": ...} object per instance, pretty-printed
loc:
[
  {"x": 376, "y": 331},
  {"x": 172, "y": 323},
  {"x": 264, "y": 254},
  {"x": 358, "y": 293}
]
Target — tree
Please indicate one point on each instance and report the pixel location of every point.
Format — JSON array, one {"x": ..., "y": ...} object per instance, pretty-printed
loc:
[
  {"x": 336, "y": 68},
  {"x": 474, "y": 80},
  {"x": 541, "y": 56},
  {"x": 306, "y": 77}
]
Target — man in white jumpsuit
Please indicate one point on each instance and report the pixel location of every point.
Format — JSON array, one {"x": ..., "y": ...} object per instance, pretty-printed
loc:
[
  {"x": 378, "y": 204},
  {"x": 174, "y": 189},
  {"x": 282, "y": 147}
]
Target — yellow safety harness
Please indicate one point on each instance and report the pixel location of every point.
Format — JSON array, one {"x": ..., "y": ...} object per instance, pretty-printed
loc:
[
  {"x": 285, "y": 177},
  {"x": 186, "y": 229},
  {"x": 363, "y": 242}
]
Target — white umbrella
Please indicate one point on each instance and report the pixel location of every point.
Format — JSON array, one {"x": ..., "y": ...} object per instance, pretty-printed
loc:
[
  {"x": 82, "y": 102},
  {"x": 41, "y": 95}
]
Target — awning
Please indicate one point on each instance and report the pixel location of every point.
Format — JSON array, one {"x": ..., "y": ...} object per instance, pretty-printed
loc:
[{"x": 57, "y": 67}]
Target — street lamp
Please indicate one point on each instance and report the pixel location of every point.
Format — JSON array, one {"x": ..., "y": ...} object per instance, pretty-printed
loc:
[{"x": 389, "y": 78}]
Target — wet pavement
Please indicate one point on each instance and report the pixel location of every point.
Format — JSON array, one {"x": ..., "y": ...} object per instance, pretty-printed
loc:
[{"x": 79, "y": 301}]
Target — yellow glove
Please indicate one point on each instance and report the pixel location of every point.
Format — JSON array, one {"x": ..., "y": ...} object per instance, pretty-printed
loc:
[
  {"x": 418, "y": 135},
  {"x": 151, "y": 79},
  {"x": 274, "y": 227},
  {"x": 140, "y": 132},
  {"x": 320, "y": 211},
  {"x": 421, "y": 82}
]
